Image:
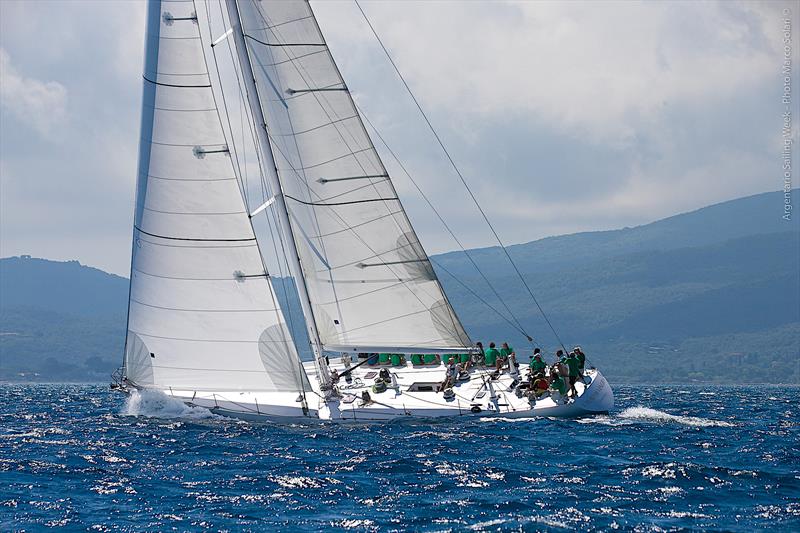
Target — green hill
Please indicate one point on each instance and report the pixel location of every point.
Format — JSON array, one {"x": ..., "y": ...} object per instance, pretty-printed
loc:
[{"x": 711, "y": 295}]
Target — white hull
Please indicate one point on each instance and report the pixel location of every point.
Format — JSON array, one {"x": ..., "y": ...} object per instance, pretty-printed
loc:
[{"x": 480, "y": 396}]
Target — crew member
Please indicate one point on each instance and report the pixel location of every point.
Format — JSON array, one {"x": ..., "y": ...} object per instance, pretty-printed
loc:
[
  {"x": 490, "y": 358},
  {"x": 540, "y": 385},
  {"x": 507, "y": 356},
  {"x": 581, "y": 359},
  {"x": 557, "y": 385},
  {"x": 573, "y": 366},
  {"x": 537, "y": 365},
  {"x": 481, "y": 355},
  {"x": 449, "y": 377}
]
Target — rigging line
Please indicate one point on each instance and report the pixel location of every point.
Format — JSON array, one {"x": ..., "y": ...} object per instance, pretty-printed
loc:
[
  {"x": 244, "y": 154},
  {"x": 519, "y": 326},
  {"x": 482, "y": 300},
  {"x": 461, "y": 176}
]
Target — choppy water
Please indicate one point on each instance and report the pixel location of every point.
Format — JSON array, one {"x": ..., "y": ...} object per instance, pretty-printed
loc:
[{"x": 668, "y": 457}]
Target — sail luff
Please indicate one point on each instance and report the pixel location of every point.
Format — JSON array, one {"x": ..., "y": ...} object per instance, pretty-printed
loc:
[
  {"x": 369, "y": 280},
  {"x": 270, "y": 169},
  {"x": 152, "y": 30}
]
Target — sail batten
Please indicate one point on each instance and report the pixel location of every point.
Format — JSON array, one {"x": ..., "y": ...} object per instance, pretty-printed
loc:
[
  {"x": 368, "y": 277},
  {"x": 202, "y": 313}
]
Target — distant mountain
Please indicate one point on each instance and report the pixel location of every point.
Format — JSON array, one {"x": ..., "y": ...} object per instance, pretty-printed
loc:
[
  {"x": 710, "y": 295},
  {"x": 60, "y": 320},
  {"x": 753, "y": 215},
  {"x": 62, "y": 287}
]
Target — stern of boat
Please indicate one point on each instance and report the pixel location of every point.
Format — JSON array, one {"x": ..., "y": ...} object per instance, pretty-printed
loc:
[{"x": 598, "y": 397}]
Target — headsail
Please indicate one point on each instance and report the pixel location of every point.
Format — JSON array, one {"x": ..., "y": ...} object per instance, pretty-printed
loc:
[
  {"x": 369, "y": 279},
  {"x": 202, "y": 313}
]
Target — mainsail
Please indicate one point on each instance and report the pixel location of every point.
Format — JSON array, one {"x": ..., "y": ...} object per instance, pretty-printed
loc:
[
  {"x": 370, "y": 283},
  {"x": 202, "y": 314}
]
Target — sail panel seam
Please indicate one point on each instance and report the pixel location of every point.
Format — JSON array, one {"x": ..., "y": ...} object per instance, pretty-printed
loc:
[
  {"x": 332, "y": 204},
  {"x": 203, "y": 310},
  {"x": 222, "y": 213},
  {"x": 281, "y": 45},
  {"x": 191, "y": 238},
  {"x": 177, "y": 86},
  {"x": 242, "y": 341}
]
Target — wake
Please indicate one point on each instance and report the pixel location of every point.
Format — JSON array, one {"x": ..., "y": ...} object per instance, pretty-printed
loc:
[
  {"x": 639, "y": 414},
  {"x": 654, "y": 415}
]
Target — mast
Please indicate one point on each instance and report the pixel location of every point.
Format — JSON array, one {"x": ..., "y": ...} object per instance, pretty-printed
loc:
[{"x": 295, "y": 267}]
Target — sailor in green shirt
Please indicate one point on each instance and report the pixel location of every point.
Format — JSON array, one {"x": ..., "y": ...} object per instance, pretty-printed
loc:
[
  {"x": 506, "y": 357},
  {"x": 465, "y": 360},
  {"x": 581, "y": 358},
  {"x": 558, "y": 385},
  {"x": 574, "y": 371},
  {"x": 537, "y": 365},
  {"x": 491, "y": 355}
]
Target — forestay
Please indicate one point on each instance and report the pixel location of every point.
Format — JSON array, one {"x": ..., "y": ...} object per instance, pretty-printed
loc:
[
  {"x": 370, "y": 281},
  {"x": 202, "y": 315}
]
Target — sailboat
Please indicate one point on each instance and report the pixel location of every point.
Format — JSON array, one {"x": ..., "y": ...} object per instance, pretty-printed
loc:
[{"x": 205, "y": 324}]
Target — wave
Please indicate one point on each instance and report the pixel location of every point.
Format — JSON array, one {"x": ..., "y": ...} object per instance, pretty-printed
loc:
[
  {"x": 156, "y": 404},
  {"x": 631, "y": 415},
  {"x": 654, "y": 415}
]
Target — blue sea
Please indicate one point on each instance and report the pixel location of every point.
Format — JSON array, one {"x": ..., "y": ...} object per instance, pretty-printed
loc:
[{"x": 668, "y": 457}]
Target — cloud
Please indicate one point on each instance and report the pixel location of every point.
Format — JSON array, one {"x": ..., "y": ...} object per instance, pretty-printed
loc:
[
  {"x": 68, "y": 194},
  {"x": 571, "y": 116},
  {"x": 38, "y": 104},
  {"x": 595, "y": 70},
  {"x": 562, "y": 116}
]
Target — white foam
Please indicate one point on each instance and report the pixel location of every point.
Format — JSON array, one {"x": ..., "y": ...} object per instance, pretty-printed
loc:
[
  {"x": 495, "y": 419},
  {"x": 654, "y": 415},
  {"x": 156, "y": 404}
]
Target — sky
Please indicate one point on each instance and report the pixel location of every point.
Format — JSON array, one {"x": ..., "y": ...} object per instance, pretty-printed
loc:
[{"x": 563, "y": 117}]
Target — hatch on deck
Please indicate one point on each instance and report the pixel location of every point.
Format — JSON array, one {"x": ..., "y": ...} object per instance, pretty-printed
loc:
[{"x": 424, "y": 386}]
